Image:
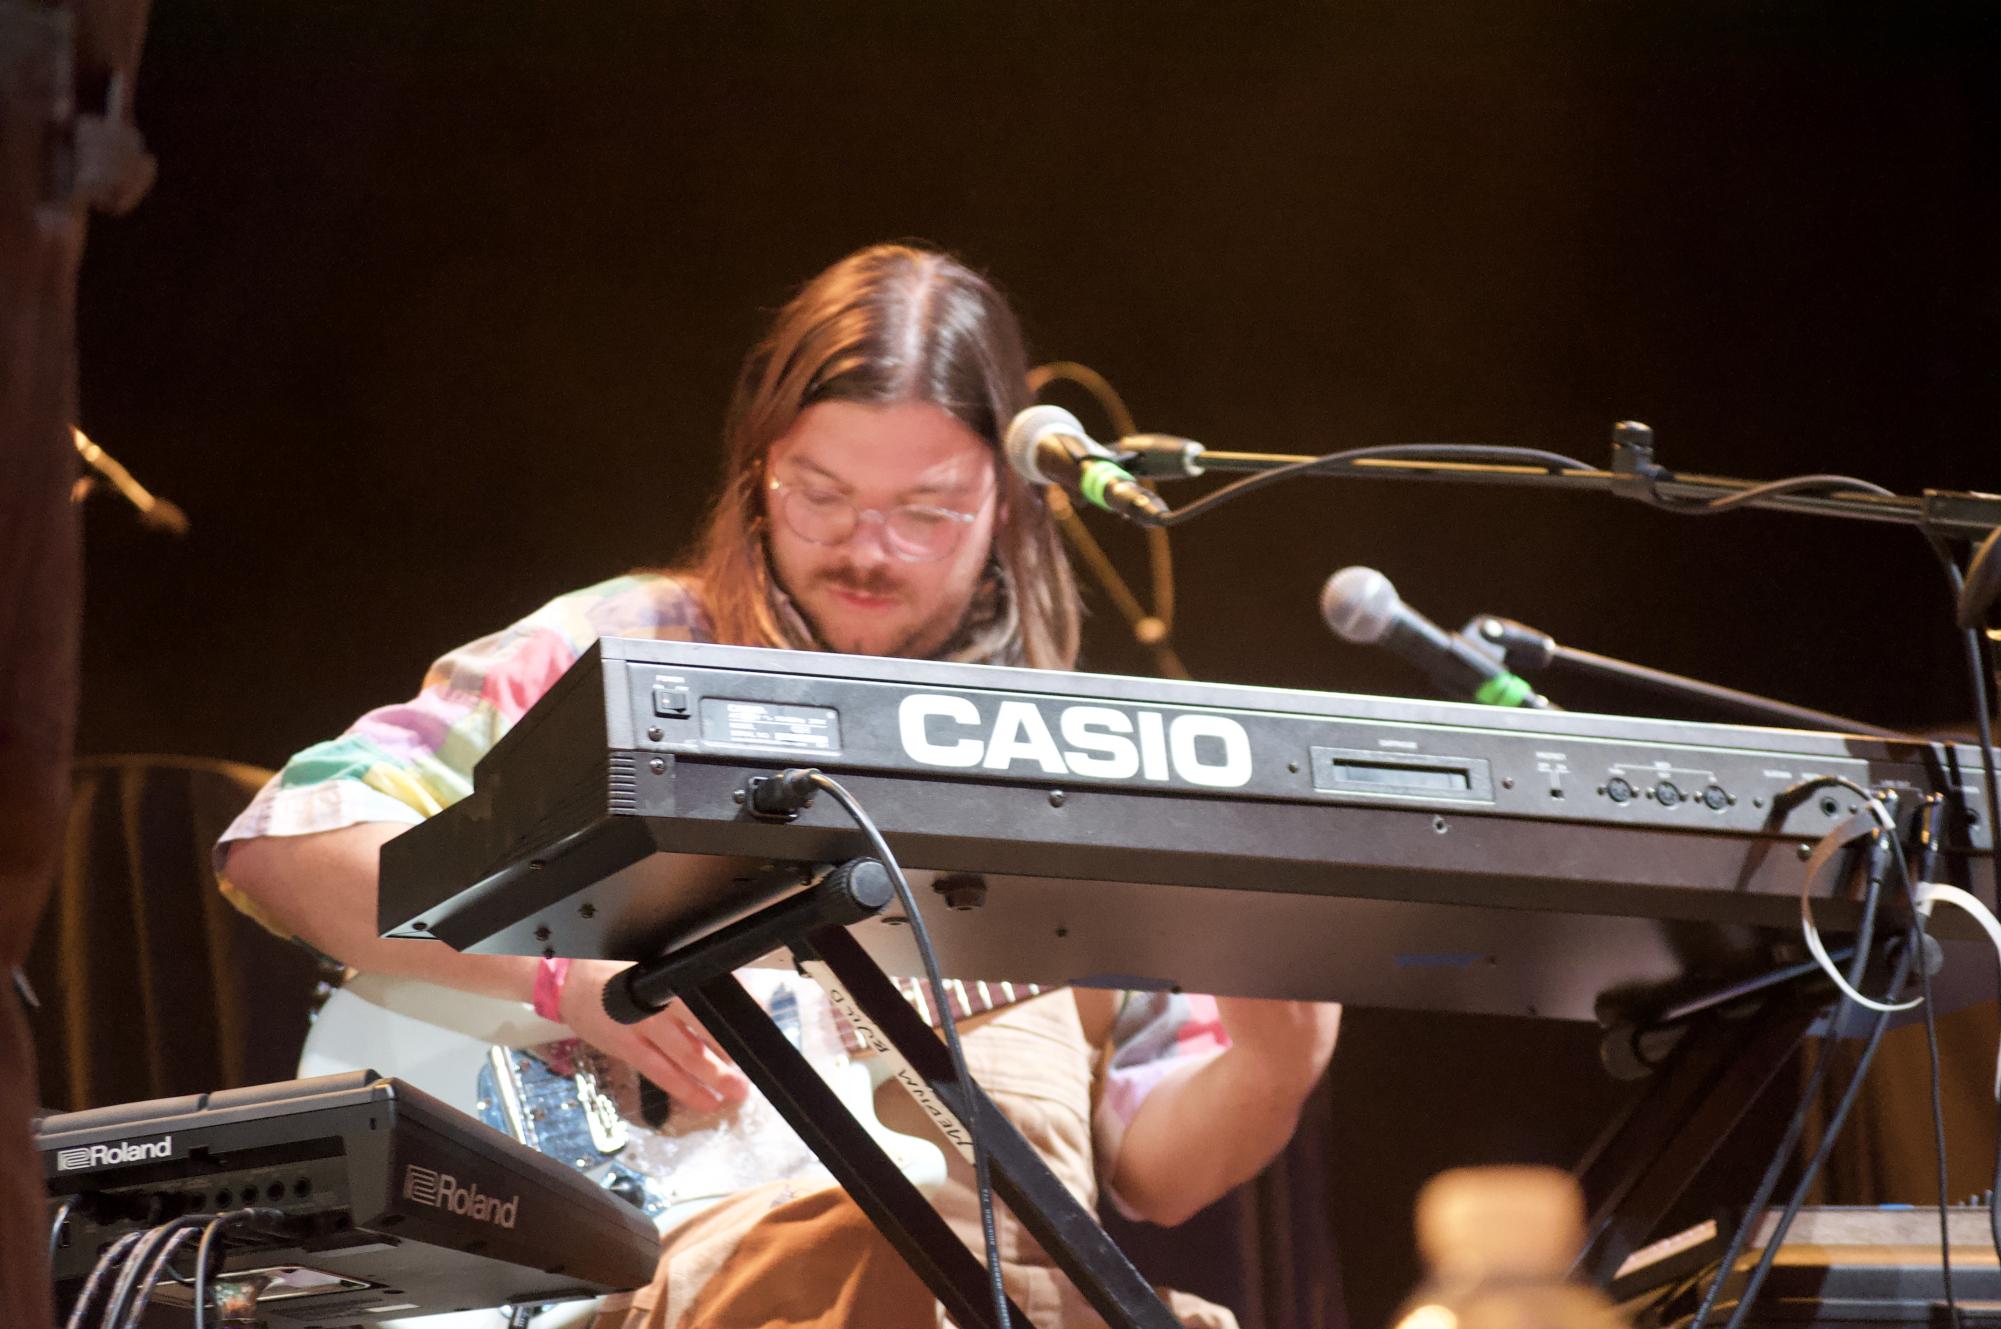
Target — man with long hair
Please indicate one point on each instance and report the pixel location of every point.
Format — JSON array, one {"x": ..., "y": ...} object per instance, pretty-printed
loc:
[{"x": 866, "y": 510}]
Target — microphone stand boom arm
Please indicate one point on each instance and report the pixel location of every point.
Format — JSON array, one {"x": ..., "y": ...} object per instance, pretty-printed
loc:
[
  {"x": 1951, "y": 514},
  {"x": 1526, "y": 650}
]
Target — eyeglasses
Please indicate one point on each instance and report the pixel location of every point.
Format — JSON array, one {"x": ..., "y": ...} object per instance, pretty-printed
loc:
[{"x": 912, "y": 532}]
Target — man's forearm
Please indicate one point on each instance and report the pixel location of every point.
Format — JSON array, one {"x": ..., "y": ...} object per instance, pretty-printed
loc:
[
  {"x": 1211, "y": 1128},
  {"x": 323, "y": 886}
]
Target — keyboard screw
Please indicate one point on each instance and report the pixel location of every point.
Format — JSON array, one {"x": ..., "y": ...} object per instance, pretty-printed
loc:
[
  {"x": 655, "y": 732},
  {"x": 657, "y": 766},
  {"x": 1056, "y": 798},
  {"x": 962, "y": 890}
]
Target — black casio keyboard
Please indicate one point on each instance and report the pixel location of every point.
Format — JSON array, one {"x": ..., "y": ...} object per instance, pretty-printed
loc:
[
  {"x": 1140, "y": 832},
  {"x": 388, "y": 1204}
]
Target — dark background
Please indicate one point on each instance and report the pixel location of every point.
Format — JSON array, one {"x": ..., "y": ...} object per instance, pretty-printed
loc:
[{"x": 434, "y": 310}]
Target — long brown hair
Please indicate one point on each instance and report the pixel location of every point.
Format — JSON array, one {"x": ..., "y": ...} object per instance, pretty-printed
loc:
[{"x": 887, "y": 325}]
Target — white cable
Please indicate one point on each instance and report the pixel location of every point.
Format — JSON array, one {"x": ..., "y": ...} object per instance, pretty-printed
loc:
[
  {"x": 1927, "y": 892},
  {"x": 1826, "y": 962},
  {"x": 1845, "y": 834}
]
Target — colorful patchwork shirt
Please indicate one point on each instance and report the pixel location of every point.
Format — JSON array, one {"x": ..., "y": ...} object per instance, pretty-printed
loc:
[{"x": 408, "y": 761}]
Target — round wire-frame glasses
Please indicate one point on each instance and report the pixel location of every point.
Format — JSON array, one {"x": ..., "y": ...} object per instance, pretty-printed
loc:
[{"x": 912, "y": 532}]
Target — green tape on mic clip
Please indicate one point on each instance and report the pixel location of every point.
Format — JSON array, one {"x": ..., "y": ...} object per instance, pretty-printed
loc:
[
  {"x": 1094, "y": 477},
  {"x": 1504, "y": 690}
]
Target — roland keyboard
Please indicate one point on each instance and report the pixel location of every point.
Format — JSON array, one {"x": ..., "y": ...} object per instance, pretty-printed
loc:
[
  {"x": 382, "y": 1202},
  {"x": 1141, "y": 832}
]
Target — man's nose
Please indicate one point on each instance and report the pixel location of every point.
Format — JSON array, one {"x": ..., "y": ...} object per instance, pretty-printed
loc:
[{"x": 868, "y": 543}]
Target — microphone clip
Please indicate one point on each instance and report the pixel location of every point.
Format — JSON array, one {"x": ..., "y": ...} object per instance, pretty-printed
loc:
[
  {"x": 1160, "y": 456},
  {"x": 1520, "y": 647}
]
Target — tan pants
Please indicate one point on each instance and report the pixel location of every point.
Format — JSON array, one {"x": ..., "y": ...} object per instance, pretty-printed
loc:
[{"x": 771, "y": 1256}]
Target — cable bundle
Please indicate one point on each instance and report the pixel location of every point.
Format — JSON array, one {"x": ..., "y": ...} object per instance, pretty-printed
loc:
[{"x": 135, "y": 1265}]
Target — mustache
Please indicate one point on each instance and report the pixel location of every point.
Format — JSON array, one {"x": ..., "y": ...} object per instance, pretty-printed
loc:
[{"x": 877, "y": 582}]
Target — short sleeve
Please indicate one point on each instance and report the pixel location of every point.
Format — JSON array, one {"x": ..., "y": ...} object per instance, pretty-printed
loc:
[
  {"x": 408, "y": 761},
  {"x": 1155, "y": 1035}
]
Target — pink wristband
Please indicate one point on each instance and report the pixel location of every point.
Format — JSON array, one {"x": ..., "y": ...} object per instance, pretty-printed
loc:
[{"x": 550, "y": 975}]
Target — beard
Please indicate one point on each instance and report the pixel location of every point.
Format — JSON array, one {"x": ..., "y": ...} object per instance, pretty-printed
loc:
[{"x": 894, "y": 633}]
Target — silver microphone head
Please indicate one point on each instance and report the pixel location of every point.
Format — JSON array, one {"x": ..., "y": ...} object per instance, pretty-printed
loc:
[
  {"x": 1359, "y": 604},
  {"x": 1026, "y": 434}
]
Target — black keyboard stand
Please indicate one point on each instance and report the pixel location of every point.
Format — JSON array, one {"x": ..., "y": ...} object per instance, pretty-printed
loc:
[
  {"x": 813, "y": 924},
  {"x": 1649, "y": 1155}
]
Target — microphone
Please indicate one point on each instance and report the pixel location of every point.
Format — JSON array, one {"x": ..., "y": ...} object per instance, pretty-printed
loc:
[
  {"x": 1046, "y": 446},
  {"x": 1361, "y": 606}
]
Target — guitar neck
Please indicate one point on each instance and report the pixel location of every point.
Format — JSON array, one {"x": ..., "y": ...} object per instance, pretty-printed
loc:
[{"x": 965, "y": 1000}]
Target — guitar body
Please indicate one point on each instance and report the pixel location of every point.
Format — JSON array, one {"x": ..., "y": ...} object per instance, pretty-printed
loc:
[
  {"x": 536, "y": 1082},
  {"x": 497, "y": 1061}
]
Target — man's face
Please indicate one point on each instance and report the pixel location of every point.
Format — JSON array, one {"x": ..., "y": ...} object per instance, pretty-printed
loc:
[{"x": 859, "y": 596}]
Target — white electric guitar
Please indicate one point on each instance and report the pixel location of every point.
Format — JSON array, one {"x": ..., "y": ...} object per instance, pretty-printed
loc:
[{"x": 534, "y": 1080}]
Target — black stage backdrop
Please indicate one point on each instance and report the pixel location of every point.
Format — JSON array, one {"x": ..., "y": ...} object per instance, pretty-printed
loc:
[{"x": 434, "y": 309}]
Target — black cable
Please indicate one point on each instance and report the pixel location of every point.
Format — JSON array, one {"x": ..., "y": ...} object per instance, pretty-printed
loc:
[
  {"x": 67, "y": 1208},
  {"x": 1767, "y": 1183},
  {"x": 150, "y": 1279},
  {"x": 1977, "y": 667},
  {"x": 1918, "y": 939},
  {"x": 217, "y": 1222},
  {"x": 1813, "y": 782},
  {"x": 982, "y": 1174},
  {"x": 1938, "y": 1092},
  {"x": 1465, "y": 452},
  {"x": 129, "y": 1271},
  {"x": 1789, "y": 1141},
  {"x": 110, "y": 1259},
  {"x": 141, "y": 1265},
  {"x": 1755, "y": 1282},
  {"x": 200, "y": 1289},
  {"x": 1913, "y": 952},
  {"x": 1977, "y": 661},
  {"x": 1709, "y": 507},
  {"x": 1938, "y": 1137}
]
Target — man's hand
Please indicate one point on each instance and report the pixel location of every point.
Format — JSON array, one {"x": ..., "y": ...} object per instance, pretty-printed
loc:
[
  {"x": 323, "y": 888},
  {"x": 671, "y": 1048}
]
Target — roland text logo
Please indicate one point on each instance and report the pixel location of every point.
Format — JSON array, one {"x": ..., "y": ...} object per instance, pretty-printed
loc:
[
  {"x": 441, "y": 1190},
  {"x": 105, "y": 1155},
  {"x": 1098, "y": 742}
]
